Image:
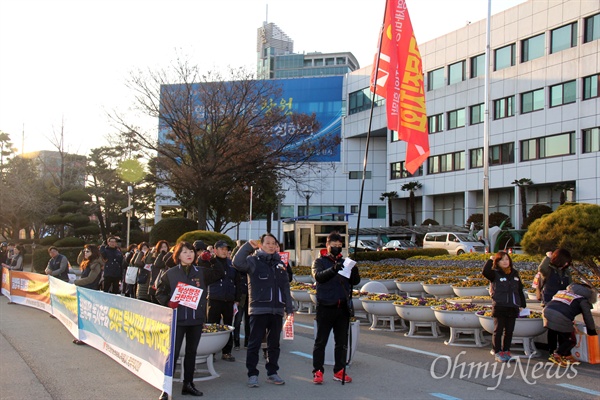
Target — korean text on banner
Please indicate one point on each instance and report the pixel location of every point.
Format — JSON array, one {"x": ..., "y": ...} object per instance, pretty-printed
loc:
[
  {"x": 398, "y": 77},
  {"x": 6, "y": 282},
  {"x": 30, "y": 289},
  {"x": 136, "y": 334},
  {"x": 64, "y": 304}
]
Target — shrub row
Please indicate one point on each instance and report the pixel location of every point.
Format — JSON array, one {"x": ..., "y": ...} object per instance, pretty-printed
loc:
[{"x": 401, "y": 254}]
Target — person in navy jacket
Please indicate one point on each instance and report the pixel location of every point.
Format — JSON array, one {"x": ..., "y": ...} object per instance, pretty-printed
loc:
[{"x": 190, "y": 321}]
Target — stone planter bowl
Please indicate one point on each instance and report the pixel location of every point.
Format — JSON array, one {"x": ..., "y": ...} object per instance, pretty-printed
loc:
[
  {"x": 415, "y": 313},
  {"x": 471, "y": 291},
  {"x": 524, "y": 327},
  {"x": 439, "y": 290},
  {"x": 458, "y": 319}
]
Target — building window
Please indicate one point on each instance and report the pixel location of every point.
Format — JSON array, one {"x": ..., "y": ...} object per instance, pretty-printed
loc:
[
  {"x": 563, "y": 93},
  {"x": 548, "y": 146},
  {"x": 361, "y": 101},
  {"x": 359, "y": 174},
  {"x": 498, "y": 155},
  {"x": 532, "y": 101},
  {"x": 446, "y": 163},
  {"x": 533, "y": 48},
  {"x": 478, "y": 66},
  {"x": 377, "y": 212},
  {"x": 476, "y": 114},
  {"x": 354, "y": 209},
  {"x": 592, "y": 28},
  {"x": 591, "y": 140},
  {"x": 435, "y": 123},
  {"x": 456, "y": 119},
  {"x": 435, "y": 79},
  {"x": 504, "y": 57},
  {"x": 397, "y": 171},
  {"x": 456, "y": 72},
  {"x": 590, "y": 86},
  {"x": 504, "y": 108},
  {"x": 563, "y": 38}
]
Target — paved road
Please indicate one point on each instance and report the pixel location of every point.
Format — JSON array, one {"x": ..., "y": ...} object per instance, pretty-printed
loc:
[{"x": 38, "y": 361}]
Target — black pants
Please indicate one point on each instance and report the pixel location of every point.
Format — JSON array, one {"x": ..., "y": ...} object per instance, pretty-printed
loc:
[
  {"x": 552, "y": 340},
  {"x": 565, "y": 342},
  {"x": 259, "y": 324},
  {"x": 237, "y": 323},
  {"x": 329, "y": 318},
  {"x": 217, "y": 309},
  {"x": 192, "y": 338},
  {"x": 503, "y": 333},
  {"x": 111, "y": 284}
]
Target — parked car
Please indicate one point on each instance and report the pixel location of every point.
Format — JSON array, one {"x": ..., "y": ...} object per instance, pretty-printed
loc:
[
  {"x": 399, "y": 245},
  {"x": 456, "y": 243},
  {"x": 363, "y": 245}
]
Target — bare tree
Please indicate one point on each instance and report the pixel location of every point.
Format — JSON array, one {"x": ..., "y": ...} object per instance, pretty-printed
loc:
[{"x": 218, "y": 137}]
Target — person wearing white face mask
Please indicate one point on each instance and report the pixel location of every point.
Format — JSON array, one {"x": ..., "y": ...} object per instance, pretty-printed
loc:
[{"x": 333, "y": 308}]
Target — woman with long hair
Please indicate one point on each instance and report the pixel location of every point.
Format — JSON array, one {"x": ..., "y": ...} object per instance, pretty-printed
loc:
[
  {"x": 91, "y": 264},
  {"x": 190, "y": 319},
  {"x": 508, "y": 299},
  {"x": 143, "y": 261},
  {"x": 158, "y": 267}
]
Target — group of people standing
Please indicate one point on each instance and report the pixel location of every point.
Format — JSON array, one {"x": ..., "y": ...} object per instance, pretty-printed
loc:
[
  {"x": 562, "y": 300},
  {"x": 11, "y": 256}
]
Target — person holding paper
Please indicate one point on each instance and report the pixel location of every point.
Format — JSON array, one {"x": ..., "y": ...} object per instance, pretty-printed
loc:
[
  {"x": 335, "y": 277},
  {"x": 183, "y": 287},
  {"x": 508, "y": 299},
  {"x": 268, "y": 300}
]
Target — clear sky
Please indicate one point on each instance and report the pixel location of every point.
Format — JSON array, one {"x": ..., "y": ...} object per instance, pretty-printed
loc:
[{"x": 68, "y": 60}]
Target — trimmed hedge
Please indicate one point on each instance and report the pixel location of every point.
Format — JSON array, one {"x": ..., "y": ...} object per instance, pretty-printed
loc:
[
  {"x": 401, "y": 254},
  {"x": 170, "y": 229},
  {"x": 208, "y": 237}
]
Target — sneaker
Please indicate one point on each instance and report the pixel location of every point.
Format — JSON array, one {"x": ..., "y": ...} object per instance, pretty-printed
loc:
[
  {"x": 499, "y": 357},
  {"x": 275, "y": 379},
  {"x": 571, "y": 360},
  {"x": 253, "y": 381},
  {"x": 507, "y": 357},
  {"x": 558, "y": 360},
  {"x": 318, "y": 378},
  {"x": 338, "y": 376},
  {"x": 228, "y": 357}
]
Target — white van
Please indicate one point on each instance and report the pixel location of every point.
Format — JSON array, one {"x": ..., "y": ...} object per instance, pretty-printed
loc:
[{"x": 455, "y": 242}]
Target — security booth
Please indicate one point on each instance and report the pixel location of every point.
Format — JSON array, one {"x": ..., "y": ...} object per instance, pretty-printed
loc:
[{"x": 305, "y": 237}]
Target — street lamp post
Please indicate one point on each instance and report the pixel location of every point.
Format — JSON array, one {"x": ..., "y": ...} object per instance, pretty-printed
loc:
[
  {"x": 307, "y": 196},
  {"x": 129, "y": 213}
]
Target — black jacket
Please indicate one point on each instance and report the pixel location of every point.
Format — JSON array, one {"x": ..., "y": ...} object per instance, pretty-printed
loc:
[
  {"x": 113, "y": 260},
  {"x": 553, "y": 279},
  {"x": 506, "y": 290},
  {"x": 195, "y": 276},
  {"x": 227, "y": 288},
  {"x": 332, "y": 288}
]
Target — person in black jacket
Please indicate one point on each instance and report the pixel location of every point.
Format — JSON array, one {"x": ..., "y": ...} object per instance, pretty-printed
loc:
[
  {"x": 190, "y": 320},
  {"x": 333, "y": 308},
  {"x": 223, "y": 294},
  {"x": 508, "y": 299},
  {"x": 560, "y": 313},
  {"x": 555, "y": 275},
  {"x": 113, "y": 261}
]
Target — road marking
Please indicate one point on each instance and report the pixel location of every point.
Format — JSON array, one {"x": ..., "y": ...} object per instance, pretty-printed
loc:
[
  {"x": 444, "y": 396},
  {"x": 304, "y": 326},
  {"x": 301, "y": 354},
  {"x": 427, "y": 353},
  {"x": 581, "y": 389}
]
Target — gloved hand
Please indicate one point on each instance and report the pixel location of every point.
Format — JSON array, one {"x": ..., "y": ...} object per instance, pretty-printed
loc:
[
  {"x": 205, "y": 256},
  {"x": 173, "y": 304},
  {"x": 338, "y": 266}
]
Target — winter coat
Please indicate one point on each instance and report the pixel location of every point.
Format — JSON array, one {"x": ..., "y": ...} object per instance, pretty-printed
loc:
[
  {"x": 195, "y": 276},
  {"x": 58, "y": 267},
  {"x": 91, "y": 275},
  {"x": 227, "y": 288},
  {"x": 506, "y": 290},
  {"x": 113, "y": 260},
  {"x": 565, "y": 305},
  {"x": 332, "y": 288},
  {"x": 268, "y": 281},
  {"x": 143, "y": 279},
  {"x": 553, "y": 279}
]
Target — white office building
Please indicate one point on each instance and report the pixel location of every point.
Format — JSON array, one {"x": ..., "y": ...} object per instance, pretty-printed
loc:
[{"x": 544, "y": 124}]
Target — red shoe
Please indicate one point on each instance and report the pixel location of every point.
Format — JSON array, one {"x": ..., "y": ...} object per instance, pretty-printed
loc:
[
  {"x": 338, "y": 376},
  {"x": 318, "y": 378}
]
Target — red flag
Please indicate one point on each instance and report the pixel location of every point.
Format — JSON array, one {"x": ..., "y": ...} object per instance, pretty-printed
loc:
[{"x": 399, "y": 79}]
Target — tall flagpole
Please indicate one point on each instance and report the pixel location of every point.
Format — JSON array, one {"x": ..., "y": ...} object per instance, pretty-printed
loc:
[
  {"x": 486, "y": 135},
  {"x": 250, "y": 223}
]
